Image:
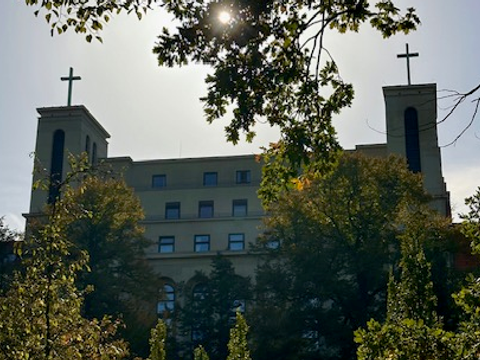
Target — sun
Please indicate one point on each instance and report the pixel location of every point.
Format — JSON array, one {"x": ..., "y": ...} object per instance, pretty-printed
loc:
[{"x": 224, "y": 17}]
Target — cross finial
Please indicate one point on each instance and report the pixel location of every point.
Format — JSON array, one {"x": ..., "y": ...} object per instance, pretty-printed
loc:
[
  {"x": 70, "y": 80},
  {"x": 408, "y": 55}
]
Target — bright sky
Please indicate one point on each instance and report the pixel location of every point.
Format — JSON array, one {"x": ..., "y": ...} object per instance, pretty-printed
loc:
[{"x": 154, "y": 112}]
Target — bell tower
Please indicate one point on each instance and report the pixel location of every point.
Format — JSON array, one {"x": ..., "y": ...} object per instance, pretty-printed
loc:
[
  {"x": 62, "y": 131},
  {"x": 411, "y": 113}
]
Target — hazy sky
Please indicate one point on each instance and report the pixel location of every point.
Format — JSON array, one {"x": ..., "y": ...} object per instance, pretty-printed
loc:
[{"x": 154, "y": 112}]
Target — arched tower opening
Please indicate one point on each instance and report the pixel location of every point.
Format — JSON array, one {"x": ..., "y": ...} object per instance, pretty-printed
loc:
[
  {"x": 56, "y": 167},
  {"x": 412, "y": 139}
]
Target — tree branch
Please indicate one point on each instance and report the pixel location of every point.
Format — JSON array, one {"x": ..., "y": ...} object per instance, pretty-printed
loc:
[{"x": 458, "y": 99}]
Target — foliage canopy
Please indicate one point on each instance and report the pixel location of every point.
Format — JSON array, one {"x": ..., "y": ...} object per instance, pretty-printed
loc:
[
  {"x": 101, "y": 216},
  {"x": 41, "y": 310},
  {"x": 412, "y": 329},
  {"x": 209, "y": 309},
  {"x": 268, "y": 59},
  {"x": 339, "y": 235}
]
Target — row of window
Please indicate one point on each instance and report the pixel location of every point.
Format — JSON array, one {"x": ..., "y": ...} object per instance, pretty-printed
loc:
[
  {"x": 209, "y": 178},
  {"x": 201, "y": 243},
  {"x": 206, "y": 209},
  {"x": 200, "y": 291}
]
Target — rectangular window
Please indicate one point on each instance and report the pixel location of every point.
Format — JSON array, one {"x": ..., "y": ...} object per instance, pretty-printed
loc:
[
  {"x": 205, "y": 209},
  {"x": 159, "y": 181},
  {"x": 239, "y": 207},
  {"x": 202, "y": 243},
  {"x": 166, "y": 304},
  {"x": 236, "y": 242},
  {"x": 166, "y": 244},
  {"x": 172, "y": 210},
  {"x": 210, "y": 179},
  {"x": 273, "y": 244},
  {"x": 243, "y": 177}
]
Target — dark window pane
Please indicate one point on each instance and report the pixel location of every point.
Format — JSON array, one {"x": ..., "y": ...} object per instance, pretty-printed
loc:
[
  {"x": 87, "y": 145},
  {"x": 172, "y": 210},
  {"x": 243, "y": 177},
  {"x": 167, "y": 302},
  {"x": 412, "y": 140},
  {"x": 205, "y": 209},
  {"x": 239, "y": 207},
  {"x": 199, "y": 292},
  {"x": 56, "y": 167},
  {"x": 94, "y": 154},
  {"x": 236, "y": 242},
  {"x": 159, "y": 181},
  {"x": 166, "y": 244},
  {"x": 273, "y": 244},
  {"x": 202, "y": 243},
  {"x": 210, "y": 179}
]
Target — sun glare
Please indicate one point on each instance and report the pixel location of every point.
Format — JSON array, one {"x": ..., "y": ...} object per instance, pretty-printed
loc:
[{"x": 224, "y": 17}]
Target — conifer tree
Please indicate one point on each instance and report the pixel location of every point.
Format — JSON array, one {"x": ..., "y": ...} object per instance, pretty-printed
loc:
[
  {"x": 200, "y": 354},
  {"x": 412, "y": 329},
  {"x": 209, "y": 310},
  {"x": 468, "y": 299},
  {"x": 237, "y": 345},
  {"x": 157, "y": 341}
]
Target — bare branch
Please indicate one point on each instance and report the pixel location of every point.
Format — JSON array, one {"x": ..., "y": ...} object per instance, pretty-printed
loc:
[{"x": 458, "y": 99}]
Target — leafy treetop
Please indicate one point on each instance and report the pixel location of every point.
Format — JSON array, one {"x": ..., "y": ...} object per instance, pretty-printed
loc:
[{"x": 266, "y": 57}]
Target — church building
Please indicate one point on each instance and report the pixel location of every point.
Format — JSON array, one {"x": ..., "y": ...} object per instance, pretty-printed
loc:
[{"x": 197, "y": 208}]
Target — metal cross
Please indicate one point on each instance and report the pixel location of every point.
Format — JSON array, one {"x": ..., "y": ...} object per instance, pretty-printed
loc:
[
  {"x": 408, "y": 55},
  {"x": 70, "y": 80}
]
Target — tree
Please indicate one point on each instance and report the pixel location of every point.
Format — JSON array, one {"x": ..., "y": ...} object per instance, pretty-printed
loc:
[
  {"x": 468, "y": 299},
  {"x": 209, "y": 310},
  {"x": 412, "y": 329},
  {"x": 157, "y": 341},
  {"x": 101, "y": 217},
  {"x": 267, "y": 57},
  {"x": 41, "y": 311},
  {"x": 8, "y": 259},
  {"x": 338, "y": 235},
  {"x": 237, "y": 345},
  {"x": 200, "y": 354}
]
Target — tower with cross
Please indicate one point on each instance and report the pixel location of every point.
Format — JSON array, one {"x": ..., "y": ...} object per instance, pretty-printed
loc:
[
  {"x": 61, "y": 131},
  {"x": 411, "y": 119}
]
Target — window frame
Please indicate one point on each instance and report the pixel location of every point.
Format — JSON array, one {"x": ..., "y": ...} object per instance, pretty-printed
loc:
[
  {"x": 207, "y": 175},
  {"x": 199, "y": 241},
  {"x": 232, "y": 241},
  {"x": 172, "y": 244},
  {"x": 171, "y": 206},
  {"x": 202, "y": 206},
  {"x": 236, "y": 204},
  {"x": 160, "y": 184},
  {"x": 243, "y": 177},
  {"x": 200, "y": 292},
  {"x": 167, "y": 302},
  {"x": 272, "y": 244}
]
